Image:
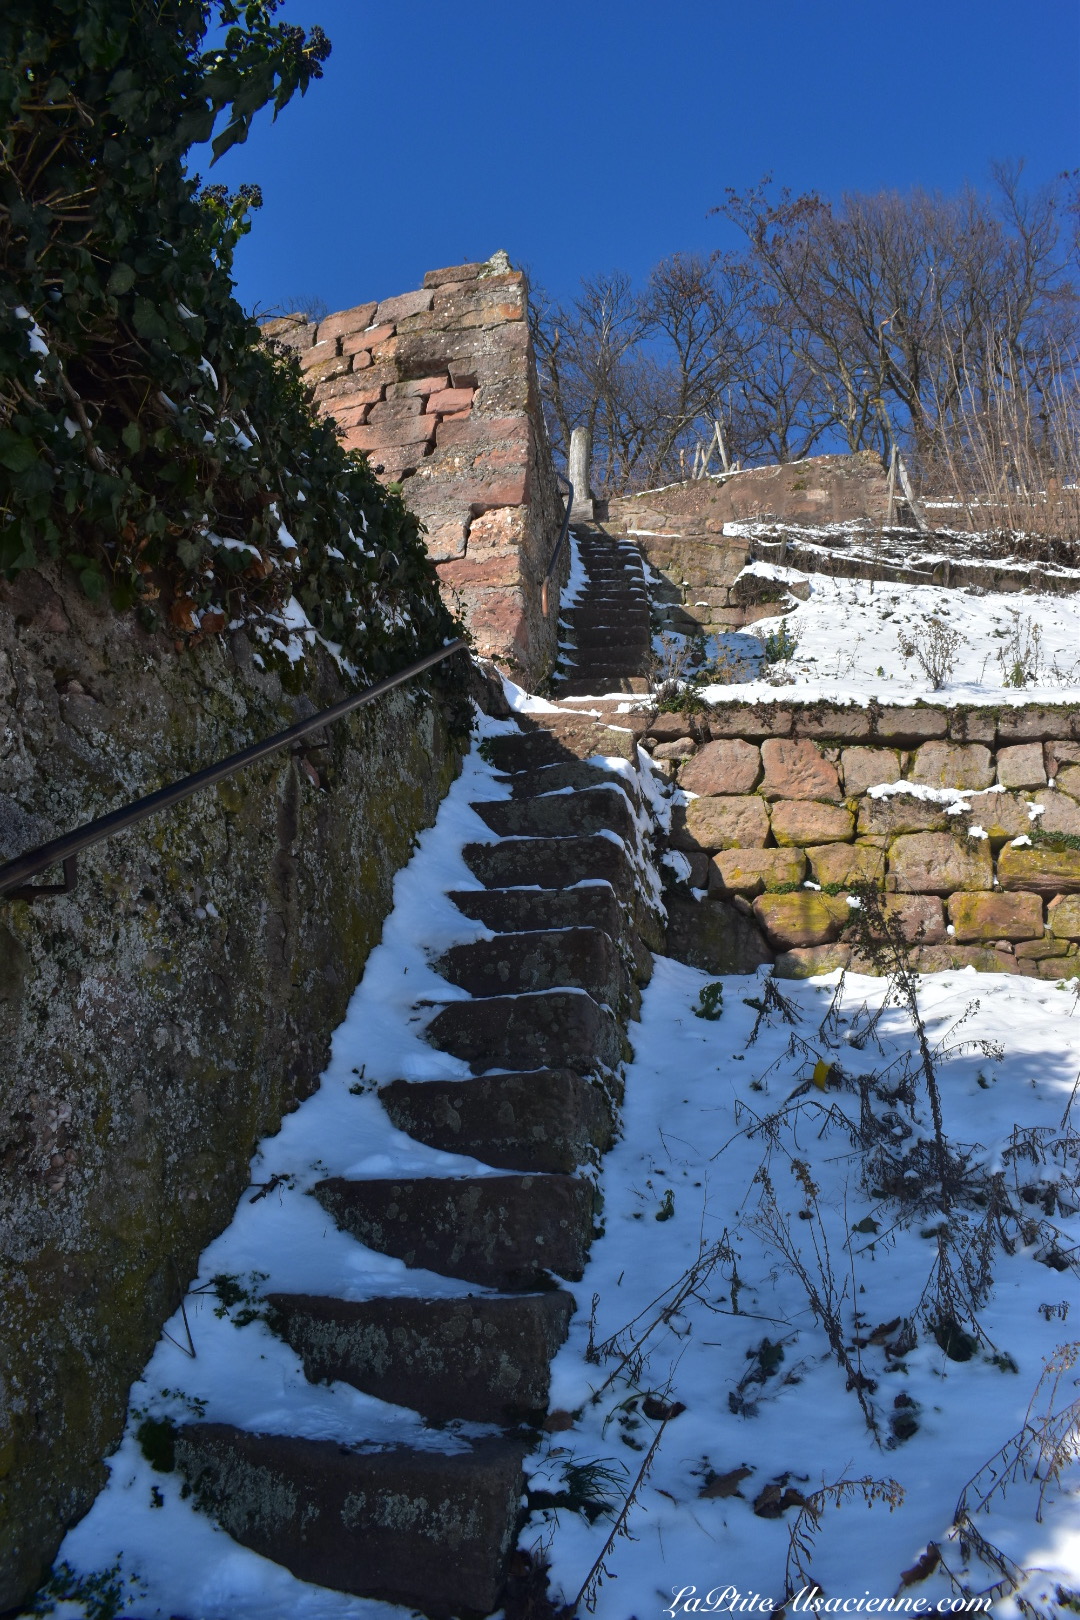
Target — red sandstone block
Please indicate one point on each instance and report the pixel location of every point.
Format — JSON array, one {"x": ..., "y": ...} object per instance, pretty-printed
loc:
[
  {"x": 356, "y": 343},
  {"x": 396, "y": 410},
  {"x": 346, "y": 320},
  {"x": 450, "y": 399},
  {"x": 374, "y": 335},
  {"x": 354, "y": 414},
  {"x": 453, "y": 272},
  {"x": 390, "y": 435},
  {"x": 317, "y": 354},
  {"x": 404, "y": 305},
  {"x": 418, "y": 385},
  {"x": 496, "y": 568},
  {"x": 458, "y": 416},
  {"x": 481, "y": 432}
]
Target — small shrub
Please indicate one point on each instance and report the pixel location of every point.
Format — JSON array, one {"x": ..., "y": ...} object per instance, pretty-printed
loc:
[
  {"x": 779, "y": 645},
  {"x": 711, "y": 1002},
  {"x": 936, "y": 647}
]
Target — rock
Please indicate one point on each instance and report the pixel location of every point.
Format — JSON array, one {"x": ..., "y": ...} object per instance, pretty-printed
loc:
[
  {"x": 1063, "y": 916},
  {"x": 1068, "y": 780},
  {"x": 752, "y": 871},
  {"x": 949, "y": 958},
  {"x": 807, "y": 821},
  {"x": 722, "y": 823},
  {"x": 1041, "y": 868},
  {"x": 908, "y": 727},
  {"x": 681, "y": 748},
  {"x": 807, "y": 961},
  {"x": 544, "y": 1030},
  {"x": 485, "y": 1359},
  {"x": 996, "y": 916},
  {"x": 920, "y": 917},
  {"x": 936, "y": 863},
  {"x": 846, "y": 864},
  {"x": 953, "y": 765},
  {"x": 1000, "y": 815},
  {"x": 901, "y": 813},
  {"x": 1061, "y": 814},
  {"x": 503, "y": 1232},
  {"x": 1021, "y": 766},
  {"x": 1035, "y": 949},
  {"x": 865, "y": 767},
  {"x": 723, "y": 768},
  {"x": 803, "y": 918},
  {"x": 749, "y": 720},
  {"x": 560, "y": 815},
  {"x": 544, "y": 1120},
  {"x": 1059, "y": 967},
  {"x": 349, "y": 1519},
  {"x": 715, "y": 937},
  {"x": 798, "y": 770},
  {"x": 672, "y": 727}
]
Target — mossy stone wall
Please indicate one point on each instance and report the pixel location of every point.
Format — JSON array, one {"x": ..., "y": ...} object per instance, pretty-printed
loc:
[{"x": 163, "y": 1017}]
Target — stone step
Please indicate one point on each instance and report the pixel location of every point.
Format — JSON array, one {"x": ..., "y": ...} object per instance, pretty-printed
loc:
[
  {"x": 622, "y": 659},
  {"x": 568, "y": 737},
  {"x": 559, "y": 815},
  {"x": 499, "y": 1231},
  {"x": 546, "y": 1120},
  {"x": 515, "y": 911},
  {"x": 600, "y": 685},
  {"x": 551, "y": 863},
  {"x": 431, "y": 1530},
  {"x": 481, "y": 1359},
  {"x": 544, "y": 1030},
  {"x": 569, "y": 958},
  {"x": 571, "y": 774},
  {"x": 608, "y": 635}
]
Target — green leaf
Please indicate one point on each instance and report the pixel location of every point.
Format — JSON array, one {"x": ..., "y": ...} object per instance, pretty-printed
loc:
[
  {"x": 132, "y": 437},
  {"x": 16, "y": 453},
  {"x": 122, "y": 279},
  {"x": 147, "y": 319}
]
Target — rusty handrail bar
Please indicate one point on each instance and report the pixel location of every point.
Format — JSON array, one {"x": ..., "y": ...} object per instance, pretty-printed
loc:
[
  {"x": 13, "y": 874},
  {"x": 558, "y": 544}
]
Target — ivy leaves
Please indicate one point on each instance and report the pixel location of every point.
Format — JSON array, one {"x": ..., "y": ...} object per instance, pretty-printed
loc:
[{"x": 147, "y": 436}]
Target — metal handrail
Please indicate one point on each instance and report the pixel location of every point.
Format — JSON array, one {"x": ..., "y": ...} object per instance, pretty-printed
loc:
[
  {"x": 13, "y": 874},
  {"x": 558, "y": 544}
]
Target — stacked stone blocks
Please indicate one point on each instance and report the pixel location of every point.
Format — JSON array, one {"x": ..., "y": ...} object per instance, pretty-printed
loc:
[
  {"x": 438, "y": 389},
  {"x": 968, "y": 820}
]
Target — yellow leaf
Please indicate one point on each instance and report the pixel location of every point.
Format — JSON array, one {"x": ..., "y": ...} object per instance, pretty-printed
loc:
[{"x": 820, "y": 1076}]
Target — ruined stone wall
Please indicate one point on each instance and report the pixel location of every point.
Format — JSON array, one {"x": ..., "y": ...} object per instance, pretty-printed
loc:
[
  {"x": 155, "y": 1023},
  {"x": 987, "y": 874},
  {"x": 438, "y": 388},
  {"x": 680, "y": 530}
]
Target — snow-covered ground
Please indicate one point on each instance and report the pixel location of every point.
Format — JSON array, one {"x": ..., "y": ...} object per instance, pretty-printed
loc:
[
  {"x": 851, "y": 635},
  {"x": 734, "y": 1162}
]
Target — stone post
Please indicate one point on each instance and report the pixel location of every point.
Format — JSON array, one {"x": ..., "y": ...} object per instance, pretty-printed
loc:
[{"x": 580, "y": 461}]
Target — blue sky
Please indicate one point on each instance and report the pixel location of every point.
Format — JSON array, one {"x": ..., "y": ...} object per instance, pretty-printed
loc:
[{"x": 584, "y": 135}]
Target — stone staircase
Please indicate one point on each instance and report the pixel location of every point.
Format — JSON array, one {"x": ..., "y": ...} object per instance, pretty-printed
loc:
[
  {"x": 609, "y": 625},
  {"x": 566, "y": 895}
]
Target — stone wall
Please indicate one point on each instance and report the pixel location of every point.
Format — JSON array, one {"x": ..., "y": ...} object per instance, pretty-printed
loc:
[
  {"x": 160, "y": 1019},
  {"x": 438, "y": 388},
  {"x": 680, "y": 530},
  {"x": 968, "y": 819}
]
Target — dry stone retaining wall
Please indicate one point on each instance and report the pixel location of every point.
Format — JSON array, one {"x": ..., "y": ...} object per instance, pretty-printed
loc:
[
  {"x": 968, "y": 819},
  {"x": 438, "y": 388},
  {"x": 680, "y": 530}
]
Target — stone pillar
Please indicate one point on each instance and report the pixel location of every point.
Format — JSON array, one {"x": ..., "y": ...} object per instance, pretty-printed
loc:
[{"x": 580, "y": 464}]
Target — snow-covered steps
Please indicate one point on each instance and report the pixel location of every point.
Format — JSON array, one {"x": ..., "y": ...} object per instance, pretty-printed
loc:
[
  {"x": 414, "y": 1241},
  {"x": 484, "y": 1358},
  {"x": 401, "y": 1525},
  {"x": 538, "y": 1031},
  {"x": 504, "y": 1232},
  {"x": 560, "y": 815},
  {"x": 609, "y": 622},
  {"x": 542, "y": 1120},
  {"x": 570, "y": 958}
]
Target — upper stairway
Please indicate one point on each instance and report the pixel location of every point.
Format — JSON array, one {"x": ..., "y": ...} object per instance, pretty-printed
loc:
[{"x": 608, "y": 628}]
